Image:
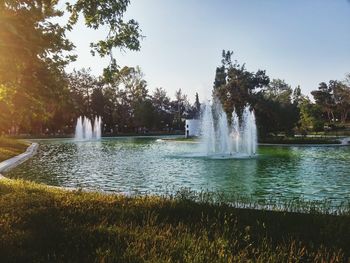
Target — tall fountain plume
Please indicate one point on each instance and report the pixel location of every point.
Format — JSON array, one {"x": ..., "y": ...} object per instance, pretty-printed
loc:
[
  {"x": 84, "y": 130},
  {"x": 79, "y": 134},
  {"x": 97, "y": 127},
  {"x": 87, "y": 129},
  {"x": 249, "y": 134},
  {"x": 221, "y": 137},
  {"x": 208, "y": 132},
  {"x": 235, "y": 132}
]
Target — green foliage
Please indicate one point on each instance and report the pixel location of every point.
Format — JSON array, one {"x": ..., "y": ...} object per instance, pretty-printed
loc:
[
  {"x": 234, "y": 85},
  {"x": 81, "y": 85},
  {"x": 180, "y": 106},
  {"x": 40, "y": 223},
  {"x": 325, "y": 99},
  {"x": 278, "y": 108},
  {"x": 34, "y": 51},
  {"x": 197, "y": 105},
  {"x": 298, "y": 140},
  {"x": 342, "y": 99},
  {"x": 334, "y": 99},
  {"x": 121, "y": 34},
  {"x": 163, "y": 110},
  {"x": 32, "y": 57},
  {"x": 274, "y": 116},
  {"x": 124, "y": 103},
  {"x": 278, "y": 90},
  {"x": 144, "y": 114},
  {"x": 310, "y": 116}
]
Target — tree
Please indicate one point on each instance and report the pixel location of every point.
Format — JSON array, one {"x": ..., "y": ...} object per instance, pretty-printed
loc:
[
  {"x": 297, "y": 96},
  {"x": 121, "y": 34},
  {"x": 325, "y": 99},
  {"x": 34, "y": 51},
  {"x": 32, "y": 59},
  {"x": 112, "y": 112},
  {"x": 180, "y": 107},
  {"x": 341, "y": 98},
  {"x": 277, "y": 100},
  {"x": 234, "y": 85},
  {"x": 346, "y": 81},
  {"x": 197, "y": 107},
  {"x": 160, "y": 100},
  {"x": 82, "y": 85},
  {"x": 144, "y": 114},
  {"x": 162, "y": 105},
  {"x": 310, "y": 116},
  {"x": 278, "y": 90},
  {"x": 132, "y": 80},
  {"x": 97, "y": 102},
  {"x": 274, "y": 116}
]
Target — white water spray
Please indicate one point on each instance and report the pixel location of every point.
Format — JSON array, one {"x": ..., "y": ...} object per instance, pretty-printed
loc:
[
  {"x": 85, "y": 131},
  {"x": 97, "y": 127},
  {"x": 207, "y": 125},
  {"x": 219, "y": 138}
]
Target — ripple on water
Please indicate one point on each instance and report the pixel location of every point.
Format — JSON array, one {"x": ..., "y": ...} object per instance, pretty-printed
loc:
[{"x": 134, "y": 165}]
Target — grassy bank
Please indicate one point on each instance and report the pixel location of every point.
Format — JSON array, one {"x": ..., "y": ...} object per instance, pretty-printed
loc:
[
  {"x": 11, "y": 147},
  {"x": 298, "y": 140},
  {"x": 274, "y": 140},
  {"x": 43, "y": 224}
]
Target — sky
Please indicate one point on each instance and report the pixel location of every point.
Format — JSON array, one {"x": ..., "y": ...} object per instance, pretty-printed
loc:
[{"x": 303, "y": 42}]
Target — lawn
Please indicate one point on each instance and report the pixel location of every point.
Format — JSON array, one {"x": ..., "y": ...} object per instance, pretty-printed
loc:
[
  {"x": 45, "y": 224},
  {"x": 11, "y": 147}
]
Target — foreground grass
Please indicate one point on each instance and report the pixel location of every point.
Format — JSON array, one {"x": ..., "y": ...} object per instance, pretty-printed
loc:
[
  {"x": 43, "y": 224},
  {"x": 11, "y": 147}
]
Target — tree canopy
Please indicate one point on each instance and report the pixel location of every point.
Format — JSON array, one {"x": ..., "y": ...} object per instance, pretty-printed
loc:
[
  {"x": 34, "y": 51},
  {"x": 38, "y": 96},
  {"x": 277, "y": 106}
]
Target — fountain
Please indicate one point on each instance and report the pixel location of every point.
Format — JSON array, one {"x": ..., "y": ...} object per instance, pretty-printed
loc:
[
  {"x": 84, "y": 130},
  {"x": 222, "y": 138}
]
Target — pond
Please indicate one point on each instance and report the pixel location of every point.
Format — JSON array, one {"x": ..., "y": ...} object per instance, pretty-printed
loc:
[{"x": 151, "y": 165}]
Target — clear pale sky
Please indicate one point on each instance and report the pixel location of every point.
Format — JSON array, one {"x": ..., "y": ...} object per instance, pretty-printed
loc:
[{"x": 302, "y": 42}]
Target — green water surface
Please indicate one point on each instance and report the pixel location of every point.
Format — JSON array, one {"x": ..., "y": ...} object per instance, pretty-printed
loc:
[{"x": 149, "y": 165}]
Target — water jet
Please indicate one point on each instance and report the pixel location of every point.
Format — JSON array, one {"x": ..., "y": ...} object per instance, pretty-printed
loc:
[
  {"x": 84, "y": 130},
  {"x": 221, "y": 137}
]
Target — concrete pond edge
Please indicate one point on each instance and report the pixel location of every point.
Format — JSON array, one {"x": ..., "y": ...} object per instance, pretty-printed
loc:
[
  {"x": 17, "y": 160},
  {"x": 21, "y": 158}
]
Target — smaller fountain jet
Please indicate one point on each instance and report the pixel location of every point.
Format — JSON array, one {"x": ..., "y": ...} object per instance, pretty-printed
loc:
[{"x": 84, "y": 130}]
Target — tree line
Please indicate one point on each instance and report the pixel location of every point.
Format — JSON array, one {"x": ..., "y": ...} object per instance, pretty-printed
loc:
[
  {"x": 125, "y": 103},
  {"x": 278, "y": 107},
  {"x": 38, "y": 96}
]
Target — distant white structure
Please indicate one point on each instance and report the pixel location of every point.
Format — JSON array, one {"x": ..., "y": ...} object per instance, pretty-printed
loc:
[{"x": 192, "y": 128}]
